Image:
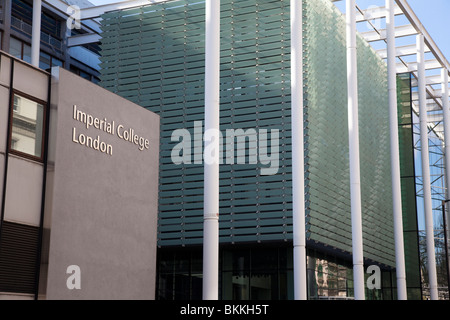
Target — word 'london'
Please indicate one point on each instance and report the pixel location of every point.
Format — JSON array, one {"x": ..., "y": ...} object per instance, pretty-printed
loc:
[{"x": 105, "y": 126}]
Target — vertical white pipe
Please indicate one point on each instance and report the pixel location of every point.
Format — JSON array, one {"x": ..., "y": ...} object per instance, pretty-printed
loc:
[
  {"x": 353, "y": 132},
  {"x": 298, "y": 179},
  {"x": 426, "y": 168},
  {"x": 211, "y": 165},
  {"x": 446, "y": 112},
  {"x": 395, "y": 157},
  {"x": 36, "y": 32}
]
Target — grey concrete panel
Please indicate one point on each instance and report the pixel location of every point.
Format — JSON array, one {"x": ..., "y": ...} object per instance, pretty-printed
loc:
[
  {"x": 5, "y": 67},
  {"x": 103, "y": 204},
  {"x": 2, "y": 167},
  {"x": 31, "y": 81},
  {"x": 4, "y": 105},
  {"x": 23, "y": 191}
]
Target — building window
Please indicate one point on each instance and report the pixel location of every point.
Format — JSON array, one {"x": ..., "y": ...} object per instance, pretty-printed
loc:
[
  {"x": 16, "y": 103},
  {"x": 84, "y": 74},
  {"x": 47, "y": 61},
  {"x": 27, "y": 130},
  {"x": 20, "y": 50}
]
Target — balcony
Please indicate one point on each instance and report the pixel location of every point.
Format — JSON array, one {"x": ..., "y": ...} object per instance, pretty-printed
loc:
[{"x": 49, "y": 41}]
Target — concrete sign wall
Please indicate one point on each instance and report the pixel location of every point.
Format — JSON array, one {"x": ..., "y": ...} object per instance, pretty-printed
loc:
[{"x": 102, "y": 192}]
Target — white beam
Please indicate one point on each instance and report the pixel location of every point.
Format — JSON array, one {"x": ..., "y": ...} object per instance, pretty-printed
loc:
[
  {"x": 81, "y": 39},
  {"x": 431, "y": 102},
  {"x": 429, "y": 227},
  {"x": 60, "y": 8},
  {"x": 400, "y": 31},
  {"x": 436, "y": 79},
  {"x": 97, "y": 11},
  {"x": 439, "y": 93},
  {"x": 298, "y": 166},
  {"x": 375, "y": 13},
  {"x": 430, "y": 80},
  {"x": 412, "y": 66},
  {"x": 402, "y": 51}
]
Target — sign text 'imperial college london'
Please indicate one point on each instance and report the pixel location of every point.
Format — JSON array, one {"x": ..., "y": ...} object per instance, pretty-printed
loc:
[{"x": 109, "y": 127}]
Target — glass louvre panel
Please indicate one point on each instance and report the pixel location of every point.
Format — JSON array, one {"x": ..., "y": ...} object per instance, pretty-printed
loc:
[
  {"x": 15, "y": 48},
  {"x": 163, "y": 68},
  {"x": 22, "y": 10},
  {"x": 56, "y": 62},
  {"x": 327, "y": 159},
  {"x": 253, "y": 207},
  {"x": 44, "y": 61}
]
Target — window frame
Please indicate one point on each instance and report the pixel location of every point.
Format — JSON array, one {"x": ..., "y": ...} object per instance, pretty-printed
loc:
[
  {"x": 44, "y": 126},
  {"x": 22, "y": 52}
]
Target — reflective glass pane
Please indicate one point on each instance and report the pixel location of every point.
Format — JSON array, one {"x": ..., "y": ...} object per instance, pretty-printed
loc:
[
  {"x": 15, "y": 48},
  {"x": 44, "y": 61},
  {"x": 27, "y": 126},
  {"x": 26, "y": 53},
  {"x": 56, "y": 62}
]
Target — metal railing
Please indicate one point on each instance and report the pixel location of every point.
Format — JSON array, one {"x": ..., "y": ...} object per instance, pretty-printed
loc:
[{"x": 25, "y": 28}]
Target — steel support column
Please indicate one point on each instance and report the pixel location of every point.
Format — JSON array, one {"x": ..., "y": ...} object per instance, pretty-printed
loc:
[
  {"x": 429, "y": 227},
  {"x": 446, "y": 114},
  {"x": 36, "y": 32},
  {"x": 395, "y": 156},
  {"x": 298, "y": 175},
  {"x": 353, "y": 132},
  {"x": 211, "y": 160}
]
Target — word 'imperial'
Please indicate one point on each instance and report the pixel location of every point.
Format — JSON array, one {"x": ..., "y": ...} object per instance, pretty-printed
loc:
[{"x": 109, "y": 127}]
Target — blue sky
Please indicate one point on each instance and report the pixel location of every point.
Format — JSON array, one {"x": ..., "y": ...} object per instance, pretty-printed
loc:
[{"x": 434, "y": 15}]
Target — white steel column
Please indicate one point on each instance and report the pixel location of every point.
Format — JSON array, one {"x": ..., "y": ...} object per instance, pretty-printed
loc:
[
  {"x": 211, "y": 165},
  {"x": 426, "y": 168},
  {"x": 353, "y": 132},
  {"x": 298, "y": 174},
  {"x": 36, "y": 32},
  {"x": 446, "y": 112},
  {"x": 395, "y": 157},
  {"x": 445, "y": 108}
]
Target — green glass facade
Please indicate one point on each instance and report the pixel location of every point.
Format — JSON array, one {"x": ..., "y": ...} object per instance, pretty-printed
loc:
[
  {"x": 261, "y": 272},
  {"x": 327, "y": 137},
  {"x": 408, "y": 186},
  {"x": 154, "y": 56}
]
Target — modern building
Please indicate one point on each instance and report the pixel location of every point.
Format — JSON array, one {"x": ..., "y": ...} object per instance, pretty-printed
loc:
[
  {"x": 55, "y": 50},
  {"x": 156, "y": 55},
  {"x": 76, "y": 203}
]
